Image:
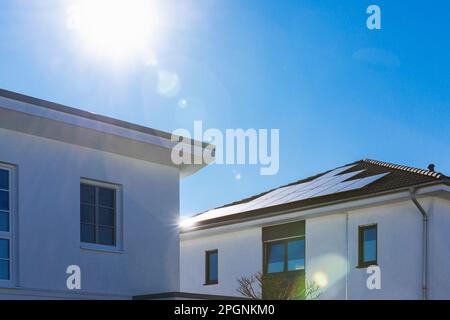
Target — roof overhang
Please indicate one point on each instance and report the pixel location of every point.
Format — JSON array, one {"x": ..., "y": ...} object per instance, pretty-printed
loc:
[{"x": 53, "y": 121}]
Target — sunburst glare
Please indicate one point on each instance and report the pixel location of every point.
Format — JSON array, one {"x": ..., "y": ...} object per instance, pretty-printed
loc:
[{"x": 115, "y": 29}]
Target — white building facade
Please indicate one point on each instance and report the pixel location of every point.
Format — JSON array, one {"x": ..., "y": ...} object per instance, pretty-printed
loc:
[
  {"x": 78, "y": 189},
  {"x": 329, "y": 234}
]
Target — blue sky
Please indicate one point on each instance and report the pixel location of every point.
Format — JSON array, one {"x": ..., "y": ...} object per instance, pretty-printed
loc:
[{"x": 337, "y": 91}]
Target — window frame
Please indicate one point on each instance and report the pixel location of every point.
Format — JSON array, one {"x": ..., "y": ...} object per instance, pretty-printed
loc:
[
  {"x": 285, "y": 242},
  {"x": 117, "y": 247},
  {"x": 11, "y": 234},
  {"x": 208, "y": 280},
  {"x": 361, "y": 229}
]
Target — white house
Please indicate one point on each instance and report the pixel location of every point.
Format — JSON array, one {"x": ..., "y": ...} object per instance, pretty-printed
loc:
[
  {"x": 80, "y": 189},
  {"x": 325, "y": 231}
]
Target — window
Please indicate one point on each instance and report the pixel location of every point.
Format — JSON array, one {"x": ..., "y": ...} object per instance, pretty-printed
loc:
[
  {"x": 296, "y": 255},
  {"x": 98, "y": 214},
  {"x": 5, "y": 223},
  {"x": 276, "y": 259},
  {"x": 212, "y": 266},
  {"x": 285, "y": 255},
  {"x": 367, "y": 244},
  {"x": 4, "y": 259},
  {"x": 284, "y": 260}
]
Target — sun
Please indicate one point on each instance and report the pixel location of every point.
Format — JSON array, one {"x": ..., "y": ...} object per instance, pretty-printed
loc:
[{"x": 115, "y": 29}]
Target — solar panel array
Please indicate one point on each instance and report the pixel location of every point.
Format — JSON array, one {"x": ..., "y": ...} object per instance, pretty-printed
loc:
[{"x": 330, "y": 183}]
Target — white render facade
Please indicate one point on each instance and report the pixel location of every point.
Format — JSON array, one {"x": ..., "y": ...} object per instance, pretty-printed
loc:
[
  {"x": 331, "y": 247},
  {"x": 48, "y": 153}
]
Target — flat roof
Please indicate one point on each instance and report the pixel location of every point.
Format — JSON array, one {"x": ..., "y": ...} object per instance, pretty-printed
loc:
[
  {"x": 85, "y": 114},
  {"x": 16, "y": 110}
]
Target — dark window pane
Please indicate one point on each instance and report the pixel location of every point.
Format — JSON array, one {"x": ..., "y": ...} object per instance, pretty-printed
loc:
[
  {"x": 4, "y": 179},
  {"x": 87, "y": 233},
  {"x": 106, "y": 197},
  {"x": 370, "y": 245},
  {"x": 275, "y": 261},
  {"x": 4, "y": 200},
  {"x": 106, "y": 217},
  {"x": 87, "y": 193},
  {"x": 213, "y": 266},
  {"x": 4, "y": 221},
  {"x": 97, "y": 212},
  {"x": 106, "y": 235},
  {"x": 4, "y": 249},
  {"x": 296, "y": 255},
  {"x": 87, "y": 213},
  {"x": 4, "y": 269}
]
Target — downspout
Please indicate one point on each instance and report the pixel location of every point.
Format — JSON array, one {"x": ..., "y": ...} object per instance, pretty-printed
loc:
[
  {"x": 347, "y": 273},
  {"x": 412, "y": 192}
]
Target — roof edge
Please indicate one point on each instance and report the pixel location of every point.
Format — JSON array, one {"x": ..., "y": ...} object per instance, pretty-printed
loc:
[
  {"x": 292, "y": 207},
  {"x": 424, "y": 172},
  {"x": 94, "y": 116}
]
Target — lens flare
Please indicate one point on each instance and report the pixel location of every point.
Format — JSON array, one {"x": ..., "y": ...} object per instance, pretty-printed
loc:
[
  {"x": 320, "y": 279},
  {"x": 182, "y": 103},
  {"x": 168, "y": 83},
  {"x": 328, "y": 269},
  {"x": 186, "y": 223}
]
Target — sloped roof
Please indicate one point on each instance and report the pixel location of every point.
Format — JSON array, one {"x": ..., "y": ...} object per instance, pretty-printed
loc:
[{"x": 361, "y": 178}]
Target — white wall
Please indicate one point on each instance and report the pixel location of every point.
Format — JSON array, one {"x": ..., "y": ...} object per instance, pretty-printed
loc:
[
  {"x": 399, "y": 251},
  {"x": 325, "y": 253},
  {"x": 439, "y": 250},
  {"x": 240, "y": 255},
  {"x": 49, "y": 175},
  {"x": 328, "y": 246},
  {"x": 399, "y": 228},
  {"x": 399, "y": 231}
]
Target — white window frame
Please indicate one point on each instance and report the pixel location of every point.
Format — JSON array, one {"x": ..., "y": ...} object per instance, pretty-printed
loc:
[
  {"x": 10, "y": 236},
  {"x": 118, "y": 247}
]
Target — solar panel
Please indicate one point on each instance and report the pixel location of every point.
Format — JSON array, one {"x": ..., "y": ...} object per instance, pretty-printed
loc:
[
  {"x": 220, "y": 212},
  {"x": 293, "y": 196},
  {"x": 336, "y": 188},
  {"x": 343, "y": 177},
  {"x": 256, "y": 202},
  {"x": 302, "y": 187},
  {"x": 336, "y": 171},
  {"x": 285, "y": 198},
  {"x": 310, "y": 194},
  {"x": 330, "y": 183},
  {"x": 312, "y": 188},
  {"x": 364, "y": 182}
]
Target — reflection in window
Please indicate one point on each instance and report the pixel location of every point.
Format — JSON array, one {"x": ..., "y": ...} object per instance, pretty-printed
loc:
[
  {"x": 286, "y": 255},
  {"x": 367, "y": 245},
  {"x": 212, "y": 267},
  {"x": 296, "y": 255},
  {"x": 275, "y": 261}
]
